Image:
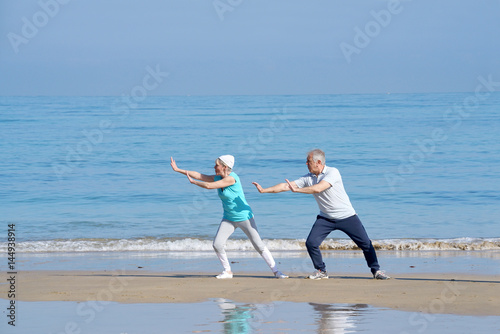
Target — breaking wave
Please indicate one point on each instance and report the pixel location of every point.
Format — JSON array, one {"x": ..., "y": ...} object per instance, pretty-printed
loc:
[{"x": 193, "y": 244}]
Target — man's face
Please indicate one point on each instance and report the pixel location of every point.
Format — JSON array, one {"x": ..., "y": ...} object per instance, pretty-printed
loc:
[{"x": 314, "y": 167}]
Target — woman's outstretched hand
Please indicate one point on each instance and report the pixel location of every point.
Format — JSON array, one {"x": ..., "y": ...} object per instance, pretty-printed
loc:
[
  {"x": 189, "y": 177},
  {"x": 173, "y": 164}
]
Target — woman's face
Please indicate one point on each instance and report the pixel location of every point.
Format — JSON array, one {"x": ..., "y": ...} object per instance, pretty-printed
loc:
[{"x": 219, "y": 168}]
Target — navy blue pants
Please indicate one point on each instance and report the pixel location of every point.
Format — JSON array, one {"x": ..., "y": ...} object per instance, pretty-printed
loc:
[{"x": 351, "y": 226}]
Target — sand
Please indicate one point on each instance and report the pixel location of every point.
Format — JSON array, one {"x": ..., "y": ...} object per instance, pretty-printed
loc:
[{"x": 430, "y": 293}]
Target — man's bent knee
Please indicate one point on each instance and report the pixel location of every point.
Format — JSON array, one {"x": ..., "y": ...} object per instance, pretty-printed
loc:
[
  {"x": 365, "y": 246},
  {"x": 310, "y": 244}
]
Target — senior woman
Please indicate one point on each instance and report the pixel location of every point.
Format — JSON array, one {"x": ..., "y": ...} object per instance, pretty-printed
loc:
[{"x": 237, "y": 212}]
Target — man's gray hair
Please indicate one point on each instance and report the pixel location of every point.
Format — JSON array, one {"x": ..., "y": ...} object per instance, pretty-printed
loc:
[{"x": 318, "y": 154}]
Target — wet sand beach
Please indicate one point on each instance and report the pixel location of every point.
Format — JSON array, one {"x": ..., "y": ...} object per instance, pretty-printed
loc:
[{"x": 430, "y": 292}]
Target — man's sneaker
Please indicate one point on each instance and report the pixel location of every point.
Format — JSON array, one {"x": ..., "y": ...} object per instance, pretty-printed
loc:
[
  {"x": 279, "y": 274},
  {"x": 380, "y": 275},
  {"x": 319, "y": 275},
  {"x": 224, "y": 275}
]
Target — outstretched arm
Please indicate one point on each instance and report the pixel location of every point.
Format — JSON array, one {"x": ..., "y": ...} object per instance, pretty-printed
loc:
[
  {"x": 222, "y": 183},
  {"x": 317, "y": 188},
  {"x": 278, "y": 188},
  {"x": 193, "y": 174}
]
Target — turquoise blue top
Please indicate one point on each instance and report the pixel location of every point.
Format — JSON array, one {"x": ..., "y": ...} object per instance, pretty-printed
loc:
[{"x": 236, "y": 208}]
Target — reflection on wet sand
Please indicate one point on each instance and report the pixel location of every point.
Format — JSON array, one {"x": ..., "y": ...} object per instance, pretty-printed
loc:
[
  {"x": 339, "y": 318},
  {"x": 237, "y": 318},
  {"x": 330, "y": 318}
]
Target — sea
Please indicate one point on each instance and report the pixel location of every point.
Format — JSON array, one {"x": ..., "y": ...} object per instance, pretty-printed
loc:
[
  {"x": 86, "y": 184},
  {"x": 91, "y": 176}
]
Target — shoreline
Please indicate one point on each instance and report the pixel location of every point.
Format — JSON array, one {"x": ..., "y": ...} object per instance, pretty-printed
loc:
[{"x": 443, "y": 293}]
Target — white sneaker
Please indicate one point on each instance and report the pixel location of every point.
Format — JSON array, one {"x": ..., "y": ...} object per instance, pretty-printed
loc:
[
  {"x": 280, "y": 275},
  {"x": 224, "y": 275},
  {"x": 319, "y": 275},
  {"x": 381, "y": 275}
]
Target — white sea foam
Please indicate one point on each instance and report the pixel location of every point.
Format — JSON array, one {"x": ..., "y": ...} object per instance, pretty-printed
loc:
[{"x": 192, "y": 244}]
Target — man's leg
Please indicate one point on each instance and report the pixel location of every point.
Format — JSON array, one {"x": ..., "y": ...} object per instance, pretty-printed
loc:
[
  {"x": 353, "y": 227},
  {"x": 319, "y": 232}
]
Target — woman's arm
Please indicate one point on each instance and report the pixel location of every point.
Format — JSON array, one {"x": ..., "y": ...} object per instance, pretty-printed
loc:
[
  {"x": 193, "y": 174},
  {"x": 222, "y": 183}
]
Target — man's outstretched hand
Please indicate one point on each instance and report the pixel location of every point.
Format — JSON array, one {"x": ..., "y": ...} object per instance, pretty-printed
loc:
[
  {"x": 290, "y": 185},
  {"x": 258, "y": 186}
]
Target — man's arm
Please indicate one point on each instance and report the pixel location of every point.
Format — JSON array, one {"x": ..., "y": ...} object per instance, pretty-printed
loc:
[
  {"x": 315, "y": 189},
  {"x": 278, "y": 188}
]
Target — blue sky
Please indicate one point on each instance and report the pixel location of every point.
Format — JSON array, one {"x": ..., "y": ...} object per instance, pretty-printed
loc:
[{"x": 226, "y": 47}]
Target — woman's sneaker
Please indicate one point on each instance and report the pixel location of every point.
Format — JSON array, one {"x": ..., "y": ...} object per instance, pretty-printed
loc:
[
  {"x": 279, "y": 274},
  {"x": 380, "y": 275},
  {"x": 319, "y": 275},
  {"x": 224, "y": 275}
]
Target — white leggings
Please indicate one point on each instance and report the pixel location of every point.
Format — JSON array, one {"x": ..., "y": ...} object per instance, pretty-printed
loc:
[{"x": 226, "y": 228}]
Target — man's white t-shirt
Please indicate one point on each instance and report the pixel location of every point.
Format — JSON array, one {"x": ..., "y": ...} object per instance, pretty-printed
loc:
[{"x": 333, "y": 202}]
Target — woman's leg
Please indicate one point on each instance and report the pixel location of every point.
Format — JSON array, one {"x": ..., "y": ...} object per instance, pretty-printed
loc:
[
  {"x": 226, "y": 228},
  {"x": 250, "y": 229}
]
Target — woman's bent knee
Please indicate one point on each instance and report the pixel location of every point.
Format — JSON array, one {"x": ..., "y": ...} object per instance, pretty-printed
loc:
[{"x": 218, "y": 247}]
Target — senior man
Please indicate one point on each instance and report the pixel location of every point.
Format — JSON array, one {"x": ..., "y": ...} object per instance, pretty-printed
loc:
[{"x": 336, "y": 212}]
